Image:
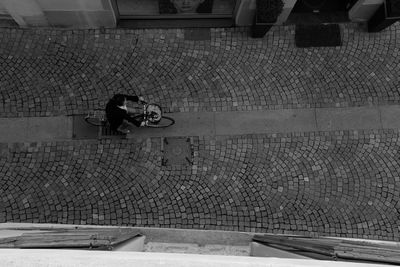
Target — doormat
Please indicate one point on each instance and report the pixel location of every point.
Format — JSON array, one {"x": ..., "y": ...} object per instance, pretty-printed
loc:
[
  {"x": 318, "y": 35},
  {"x": 177, "y": 151}
]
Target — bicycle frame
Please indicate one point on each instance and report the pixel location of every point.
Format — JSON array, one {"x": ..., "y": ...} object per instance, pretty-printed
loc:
[{"x": 151, "y": 114}]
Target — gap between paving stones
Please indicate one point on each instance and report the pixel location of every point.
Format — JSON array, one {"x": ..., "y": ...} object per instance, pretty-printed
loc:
[{"x": 220, "y": 123}]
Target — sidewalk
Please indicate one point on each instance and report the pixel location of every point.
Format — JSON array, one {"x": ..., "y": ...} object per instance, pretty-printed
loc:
[{"x": 282, "y": 140}]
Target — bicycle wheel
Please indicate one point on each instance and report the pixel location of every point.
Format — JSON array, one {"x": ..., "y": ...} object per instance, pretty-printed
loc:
[
  {"x": 163, "y": 123},
  {"x": 93, "y": 121}
]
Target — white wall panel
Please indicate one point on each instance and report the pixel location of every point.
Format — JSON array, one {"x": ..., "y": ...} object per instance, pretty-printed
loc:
[{"x": 72, "y": 5}]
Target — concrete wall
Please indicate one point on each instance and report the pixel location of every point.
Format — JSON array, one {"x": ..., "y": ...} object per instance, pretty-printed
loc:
[
  {"x": 363, "y": 10},
  {"x": 3, "y": 10},
  {"x": 78, "y": 13},
  {"x": 25, "y": 12},
  {"x": 360, "y": 12},
  {"x": 247, "y": 9},
  {"x": 245, "y": 13},
  {"x": 287, "y": 9},
  {"x": 61, "y": 13},
  {"x": 6, "y": 20}
]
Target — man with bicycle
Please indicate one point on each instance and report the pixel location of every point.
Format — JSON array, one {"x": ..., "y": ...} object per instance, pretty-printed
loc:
[{"x": 118, "y": 113}]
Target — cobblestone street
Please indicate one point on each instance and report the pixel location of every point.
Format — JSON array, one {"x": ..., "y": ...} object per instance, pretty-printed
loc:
[
  {"x": 336, "y": 183},
  {"x": 52, "y": 72}
]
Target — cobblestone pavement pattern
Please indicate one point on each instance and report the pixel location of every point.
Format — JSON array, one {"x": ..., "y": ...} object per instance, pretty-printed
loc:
[
  {"x": 324, "y": 183},
  {"x": 51, "y": 72}
]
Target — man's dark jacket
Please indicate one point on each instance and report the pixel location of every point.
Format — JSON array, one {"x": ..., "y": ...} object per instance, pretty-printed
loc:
[{"x": 116, "y": 115}]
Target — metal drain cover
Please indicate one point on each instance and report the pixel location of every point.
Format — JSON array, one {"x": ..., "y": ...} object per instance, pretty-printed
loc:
[{"x": 177, "y": 151}]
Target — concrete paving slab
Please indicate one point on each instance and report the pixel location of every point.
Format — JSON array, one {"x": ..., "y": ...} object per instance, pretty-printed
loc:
[
  {"x": 83, "y": 130},
  {"x": 49, "y": 128},
  {"x": 153, "y": 234},
  {"x": 82, "y": 258},
  {"x": 332, "y": 119},
  {"x": 390, "y": 116},
  {"x": 35, "y": 129},
  {"x": 261, "y": 250},
  {"x": 192, "y": 248},
  {"x": 270, "y": 121},
  {"x": 218, "y": 123},
  {"x": 186, "y": 124},
  {"x": 12, "y": 129}
]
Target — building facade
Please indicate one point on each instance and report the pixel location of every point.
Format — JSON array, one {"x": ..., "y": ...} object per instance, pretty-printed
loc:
[{"x": 167, "y": 13}]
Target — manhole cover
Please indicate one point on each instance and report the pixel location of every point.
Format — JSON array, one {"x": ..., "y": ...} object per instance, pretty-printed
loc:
[{"x": 177, "y": 151}]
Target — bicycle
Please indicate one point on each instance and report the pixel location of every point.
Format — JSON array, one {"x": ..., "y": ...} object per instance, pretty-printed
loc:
[{"x": 151, "y": 114}]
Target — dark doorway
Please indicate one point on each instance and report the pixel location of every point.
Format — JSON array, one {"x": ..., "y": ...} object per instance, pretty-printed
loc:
[
  {"x": 174, "y": 13},
  {"x": 320, "y": 11}
]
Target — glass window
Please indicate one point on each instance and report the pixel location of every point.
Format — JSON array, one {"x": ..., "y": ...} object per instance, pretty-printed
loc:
[{"x": 175, "y": 7}]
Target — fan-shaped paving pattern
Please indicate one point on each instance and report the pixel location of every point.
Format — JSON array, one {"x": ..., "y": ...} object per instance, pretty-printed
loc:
[
  {"x": 51, "y": 72},
  {"x": 342, "y": 183}
]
